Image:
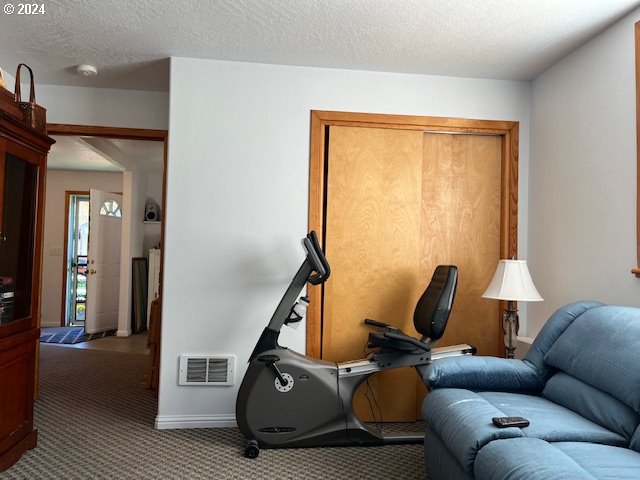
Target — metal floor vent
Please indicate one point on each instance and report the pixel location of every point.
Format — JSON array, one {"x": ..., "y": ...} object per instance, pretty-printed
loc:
[{"x": 207, "y": 370}]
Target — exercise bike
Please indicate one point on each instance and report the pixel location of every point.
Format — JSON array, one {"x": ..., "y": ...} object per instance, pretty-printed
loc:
[{"x": 290, "y": 400}]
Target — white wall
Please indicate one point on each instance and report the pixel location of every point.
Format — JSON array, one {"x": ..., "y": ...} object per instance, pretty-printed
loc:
[
  {"x": 104, "y": 107},
  {"x": 582, "y": 216},
  {"x": 134, "y": 186},
  {"x": 237, "y": 189},
  {"x": 59, "y": 181},
  {"x": 99, "y": 106},
  {"x": 153, "y": 193}
]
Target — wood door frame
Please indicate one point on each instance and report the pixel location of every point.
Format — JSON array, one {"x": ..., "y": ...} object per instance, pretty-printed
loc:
[
  {"x": 321, "y": 120},
  {"x": 636, "y": 270}
]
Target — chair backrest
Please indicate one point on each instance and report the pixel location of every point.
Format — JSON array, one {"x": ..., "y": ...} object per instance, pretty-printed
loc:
[{"x": 432, "y": 311}]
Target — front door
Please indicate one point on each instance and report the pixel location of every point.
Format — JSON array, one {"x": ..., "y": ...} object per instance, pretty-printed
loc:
[
  {"x": 75, "y": 287},
  {"x": 103, "y": 279}
]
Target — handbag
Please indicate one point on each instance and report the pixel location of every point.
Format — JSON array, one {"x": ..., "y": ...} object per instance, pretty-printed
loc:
[{"x": 33, "y": 115}]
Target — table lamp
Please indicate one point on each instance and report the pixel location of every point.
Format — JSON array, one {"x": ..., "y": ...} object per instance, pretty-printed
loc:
[{"x": 512, "y": 282}]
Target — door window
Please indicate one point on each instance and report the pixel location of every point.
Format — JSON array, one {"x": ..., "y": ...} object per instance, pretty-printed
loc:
[{"x": 111, "y": 208}]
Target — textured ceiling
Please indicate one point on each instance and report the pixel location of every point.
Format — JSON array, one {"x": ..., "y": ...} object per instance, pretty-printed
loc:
[{"x": 130, "y": 41}]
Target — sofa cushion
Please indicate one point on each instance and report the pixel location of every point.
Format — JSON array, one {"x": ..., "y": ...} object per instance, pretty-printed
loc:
[
  {"x": 600, "y": 348},
  {"x": 462, "y": 420},
  {"x": 603, "y": 461},
  {"x": 526, "y": 459},
  {"x": 555, "y": 326},
  {"x": 534, "y": 459},
  {"x": 594, "y": 404},
  {"x": 550, "y": 421}
]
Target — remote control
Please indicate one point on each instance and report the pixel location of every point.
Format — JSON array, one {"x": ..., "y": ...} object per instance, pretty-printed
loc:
[{"x": 504, "y": 422}]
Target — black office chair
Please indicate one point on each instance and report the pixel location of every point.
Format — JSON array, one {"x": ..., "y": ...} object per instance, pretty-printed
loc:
[{"x": 429, "y": 318}]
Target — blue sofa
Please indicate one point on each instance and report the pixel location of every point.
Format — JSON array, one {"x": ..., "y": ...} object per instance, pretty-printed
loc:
[{"x": 579, "y": 386}]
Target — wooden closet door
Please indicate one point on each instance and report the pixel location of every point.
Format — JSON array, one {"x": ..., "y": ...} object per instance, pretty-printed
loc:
[
  {"x": 398, "y": 203},
  {"x": 461, "y": 226},
  {"x": 372, "y": 243}
]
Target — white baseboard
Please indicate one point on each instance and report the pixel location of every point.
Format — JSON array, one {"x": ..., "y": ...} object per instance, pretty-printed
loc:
[
  {"x": 166, "y": 422},
  {"x": 123, "y": 333}
]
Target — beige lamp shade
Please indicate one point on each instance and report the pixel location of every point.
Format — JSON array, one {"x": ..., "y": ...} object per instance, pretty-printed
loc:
[{"x": 512, "y": 281}]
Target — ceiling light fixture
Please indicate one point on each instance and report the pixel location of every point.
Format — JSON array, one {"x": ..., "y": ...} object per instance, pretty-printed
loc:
[{"x": 87, "y": 70}]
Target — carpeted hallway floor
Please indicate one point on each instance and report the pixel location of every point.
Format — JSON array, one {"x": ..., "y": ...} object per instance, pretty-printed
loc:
[{"x": 95, "y": 422}]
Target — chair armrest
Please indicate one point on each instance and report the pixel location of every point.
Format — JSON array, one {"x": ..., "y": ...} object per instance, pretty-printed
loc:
[{"x": 483, "y": 374}]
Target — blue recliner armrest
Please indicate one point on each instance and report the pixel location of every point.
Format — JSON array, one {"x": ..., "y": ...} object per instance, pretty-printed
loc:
[{"x": 483, "y": 374}]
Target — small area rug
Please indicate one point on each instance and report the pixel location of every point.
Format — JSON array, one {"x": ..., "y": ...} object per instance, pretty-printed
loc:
[{"x": 70, "y": 335}]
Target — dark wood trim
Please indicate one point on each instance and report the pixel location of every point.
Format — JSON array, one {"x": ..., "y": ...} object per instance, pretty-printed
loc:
[
  {"x": 408, "y": 122},
  {"x": 15, "y": 131},
  {"x": 111, "y": 132},
  {"x": 14, "y": 454},
  {"x": 508, "y": 130},
  {"x": 636, "y": 270}
]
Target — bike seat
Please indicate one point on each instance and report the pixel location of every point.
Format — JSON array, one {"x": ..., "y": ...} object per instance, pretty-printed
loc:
[{"x": 429, "y": 318}]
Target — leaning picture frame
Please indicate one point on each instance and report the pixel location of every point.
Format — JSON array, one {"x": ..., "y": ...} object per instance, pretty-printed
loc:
[{"x": 139, "y": 294}]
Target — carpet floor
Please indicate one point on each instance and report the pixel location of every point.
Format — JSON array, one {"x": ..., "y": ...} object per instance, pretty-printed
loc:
[{"x": 94, "y": 421}]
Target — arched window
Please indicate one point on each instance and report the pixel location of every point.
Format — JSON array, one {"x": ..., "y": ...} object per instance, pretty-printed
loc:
[{"x": 111, "y": 208}]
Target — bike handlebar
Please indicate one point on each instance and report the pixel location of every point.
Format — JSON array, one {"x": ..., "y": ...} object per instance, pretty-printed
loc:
[{"x": 316, "y": 258}]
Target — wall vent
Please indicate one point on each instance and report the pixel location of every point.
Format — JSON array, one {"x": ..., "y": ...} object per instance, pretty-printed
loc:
[{"x": 209, "y": 370}]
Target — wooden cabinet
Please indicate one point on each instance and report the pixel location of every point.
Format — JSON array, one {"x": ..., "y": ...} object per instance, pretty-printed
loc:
[{"x": 23, "y": 154}]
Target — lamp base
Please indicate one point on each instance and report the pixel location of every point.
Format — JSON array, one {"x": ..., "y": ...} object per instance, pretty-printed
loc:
[{"x": 510, "y": 326}]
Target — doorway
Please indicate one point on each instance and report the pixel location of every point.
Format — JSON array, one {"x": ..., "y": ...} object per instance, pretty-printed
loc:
[
  {"x": 140, "y": 174},
  {"x": 75, "y": 286},
  {"x": 139, "y": 157},
  {"x": 392, "y": 197}
]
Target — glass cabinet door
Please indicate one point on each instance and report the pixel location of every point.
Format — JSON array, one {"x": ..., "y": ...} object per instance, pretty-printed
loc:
[{"x": 17, "y": 230}]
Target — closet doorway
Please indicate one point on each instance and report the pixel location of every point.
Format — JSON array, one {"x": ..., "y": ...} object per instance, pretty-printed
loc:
[{"x": 392, "y": 197}]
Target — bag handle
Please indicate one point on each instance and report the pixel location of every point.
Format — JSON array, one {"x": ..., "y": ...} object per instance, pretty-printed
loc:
[{"x": 17, "y": 94}]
